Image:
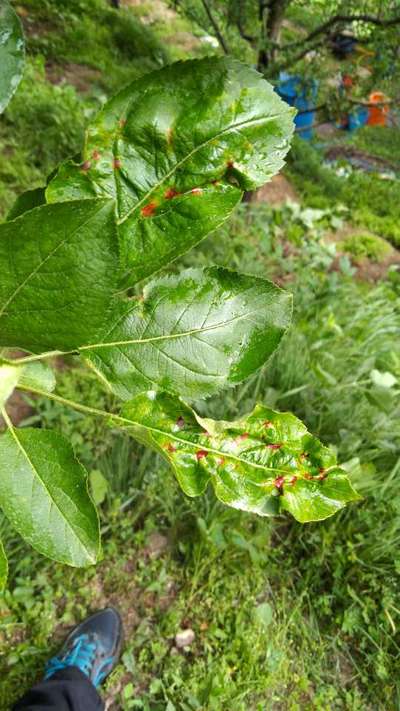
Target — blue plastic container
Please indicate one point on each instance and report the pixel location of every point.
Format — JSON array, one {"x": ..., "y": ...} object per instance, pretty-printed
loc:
[
  {"x": 302, "y": 95},
  {"x": 358, "y": 118}
]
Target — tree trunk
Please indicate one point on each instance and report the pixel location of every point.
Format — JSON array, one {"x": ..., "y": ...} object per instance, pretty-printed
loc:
[{"x": 272, "y": 14}]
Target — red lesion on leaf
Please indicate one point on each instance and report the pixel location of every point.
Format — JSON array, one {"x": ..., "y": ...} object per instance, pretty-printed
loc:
[
  {"x": 117, "y": 163},
  {"x": 196, "y": 191},
  {"x": 96, "y": 155},
  {"x": 230, "y": 163},
  {"x": 267, "y": 423},
  {"x": 170, "y": 447},
  {"x": 149, "y": 209},
  {"x": 215, "y": 182},
  {"x": 322, "y": 474},
  {"x": 293, "y": 480},
  {"x": 201, "y": 453},
  {"x": 171, "y": 193},
  {"x": 274, "y": 446},
  {"x": 221, "y": 461},
  {"x": 180, "y": 422},
  {"x": 85, "y": 166},
  {"x": 307, "y": 475},
  {"x": 279, "y": 482}
]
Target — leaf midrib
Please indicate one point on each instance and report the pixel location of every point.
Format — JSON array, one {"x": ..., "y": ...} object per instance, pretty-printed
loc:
[
  {"x": 229, "y": 129},
  {"x": 183, "y": 334},
  {"x": 211, "y": 450},
  {"x": 63, "y": 517}
]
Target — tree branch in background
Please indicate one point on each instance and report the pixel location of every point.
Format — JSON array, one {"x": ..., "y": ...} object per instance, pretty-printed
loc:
[
  {"x": 339, "y": 19},
  {"x": 239, "y": 24},
  {"x": 215, "y": 26}
]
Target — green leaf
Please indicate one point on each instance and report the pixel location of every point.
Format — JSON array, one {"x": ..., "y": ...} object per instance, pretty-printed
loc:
[
  {"x": 59, "y": 268},
  {"x": 12, "y": 53},
  {"x": 175, "y": 150},
  {"x": 383, "y": 379},
  {"x": 192, "y": 334},
  {"x": 3, "y": 567},
  {"x": 266, "y": 462},
  {"x": 27, "y": 201},
  {"x": 98, "y": 486},
  {"x": 30, "y": 375},
  {"x": 263, "y": 614},
  {"x": 9, "y": 376},
  {"x": 43, "y": 492},
  {"x": 38, "y": 376}
]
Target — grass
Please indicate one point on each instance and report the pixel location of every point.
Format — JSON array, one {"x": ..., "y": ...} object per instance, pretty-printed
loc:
[
  {"x": 364, "y": 246},
  {"x": 382, "y": 142}
]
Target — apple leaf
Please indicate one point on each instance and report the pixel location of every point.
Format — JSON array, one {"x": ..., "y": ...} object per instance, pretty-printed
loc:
[
  {"x": 192, "y": 334},
  {"x": 175, "y": 150},
  {"x": 265, "y": 462}
]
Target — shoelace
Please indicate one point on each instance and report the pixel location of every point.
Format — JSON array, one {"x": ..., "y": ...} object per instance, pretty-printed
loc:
[{"x": 82, "y": 655}]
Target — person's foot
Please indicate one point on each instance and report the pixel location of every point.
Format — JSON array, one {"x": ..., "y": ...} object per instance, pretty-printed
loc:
[{"x": 93, "y": 646}]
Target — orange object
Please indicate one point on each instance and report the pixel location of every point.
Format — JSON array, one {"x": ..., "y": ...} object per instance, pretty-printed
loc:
[{"x": 377, "y": 115}]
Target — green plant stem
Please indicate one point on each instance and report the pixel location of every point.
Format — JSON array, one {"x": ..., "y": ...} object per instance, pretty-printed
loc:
[
  {"x": 6, "y": 418},
  {"x": 41, "y": 356},
  {"x": 125, "y": 422},
  {"x": 73, "y": 404}
]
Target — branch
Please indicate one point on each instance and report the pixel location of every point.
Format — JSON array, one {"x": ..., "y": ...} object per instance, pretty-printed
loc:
[
  {"x": 336, "y": 19},
  {"x": 214, "y": 24},
  {"x": 241, "y": 30}
]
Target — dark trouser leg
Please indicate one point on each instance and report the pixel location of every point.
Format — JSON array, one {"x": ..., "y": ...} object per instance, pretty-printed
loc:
[{"x": 66, "y": 690}]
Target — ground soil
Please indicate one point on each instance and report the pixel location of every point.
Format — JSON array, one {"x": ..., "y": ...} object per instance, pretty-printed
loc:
[
  {"x": 79, "y": 75},
  {"x": 276, "y": 192},
  {"x": 348, "y": 152}
]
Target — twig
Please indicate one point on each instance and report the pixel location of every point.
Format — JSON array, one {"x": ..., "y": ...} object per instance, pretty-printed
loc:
[{"x": 214, "y": 23}]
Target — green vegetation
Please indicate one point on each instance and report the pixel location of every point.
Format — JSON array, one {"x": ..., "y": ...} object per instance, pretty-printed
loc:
[
  {"x": 366, "y": 246},
  {"x": 373, "y": 202},
  {"x": 285, "y": 616},
  {"x": 378, "y": 141}
]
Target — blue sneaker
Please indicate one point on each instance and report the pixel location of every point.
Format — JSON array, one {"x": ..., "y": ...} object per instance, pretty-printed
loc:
[{"x": 94, "y": 647}]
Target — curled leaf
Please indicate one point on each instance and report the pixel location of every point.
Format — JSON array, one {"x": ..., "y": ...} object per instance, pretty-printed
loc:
[{"x": 266, "y": 462}]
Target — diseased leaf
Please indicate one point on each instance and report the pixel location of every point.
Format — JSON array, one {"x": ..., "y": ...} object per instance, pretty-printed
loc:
[
  {"x": 59, "y": 267},
  {"x": 266, "y": 462},
  {"x": 43, "y": 492},
  {"x": 27, "y": 201},
  {"x": 3, "y": 567},
  {"x": 12, "y": 53},
  {"x": 175, "y": 150},
  {"x": 193, "y": 334},
  {"x": 9, "y": 375}
]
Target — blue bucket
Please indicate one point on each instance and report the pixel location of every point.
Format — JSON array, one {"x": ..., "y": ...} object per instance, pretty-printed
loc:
[
  {"x": 301, "y": 95},
  {"x": 357, "y": 118}
]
